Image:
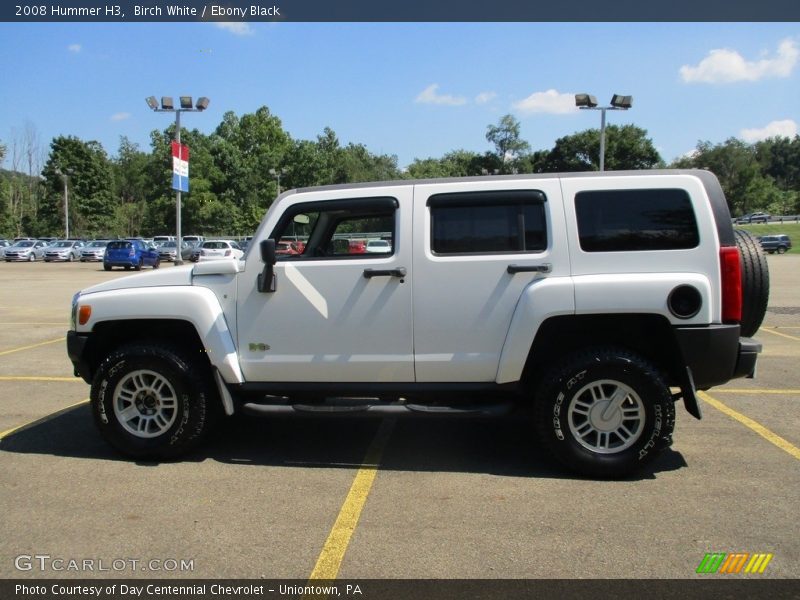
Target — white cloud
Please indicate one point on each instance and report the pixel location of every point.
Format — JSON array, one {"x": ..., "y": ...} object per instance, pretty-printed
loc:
[
  {"x": 485, "y": 97},
  {"x": 550, "y": 102},
  {"x": 236, "y": 28},
  {"x": 74, "y": 48},
  {"x": 121, "y": 116},
  {"x": 728, "y": 66},
  {"x": 785, "y": 128},
  {"x": 429, "y": 96}
]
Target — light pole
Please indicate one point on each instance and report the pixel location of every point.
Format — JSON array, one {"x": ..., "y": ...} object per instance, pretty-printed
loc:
[
  {"x": 167, "y": 105},
  {"x": 589, "y": 102},
  {"x": 65, "y": 177},
  {"x": 276, "y": 173}
]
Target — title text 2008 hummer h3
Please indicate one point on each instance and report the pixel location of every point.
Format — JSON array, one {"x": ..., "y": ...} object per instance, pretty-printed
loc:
[{"x": 597, "y": 300}]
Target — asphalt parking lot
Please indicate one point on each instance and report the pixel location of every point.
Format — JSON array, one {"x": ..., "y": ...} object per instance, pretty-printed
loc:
[{"x": 294, "y": 499}]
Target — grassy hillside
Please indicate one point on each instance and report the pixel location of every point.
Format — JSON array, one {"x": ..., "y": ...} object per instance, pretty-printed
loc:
[{"x": 790, "y": 229}]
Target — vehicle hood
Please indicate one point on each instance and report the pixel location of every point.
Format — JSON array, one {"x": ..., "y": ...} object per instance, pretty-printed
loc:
[
  {"x": 160, "y": 277},
  {"x": 169, "y": 276}
]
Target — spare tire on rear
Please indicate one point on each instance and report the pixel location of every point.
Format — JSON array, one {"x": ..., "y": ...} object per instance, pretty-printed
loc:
[{"x": 755, "y": 282}]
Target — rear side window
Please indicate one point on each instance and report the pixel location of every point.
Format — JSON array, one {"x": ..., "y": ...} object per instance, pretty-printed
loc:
[
  {"x": 631, "y": 220},
  {"x": 488, "y": 222}
]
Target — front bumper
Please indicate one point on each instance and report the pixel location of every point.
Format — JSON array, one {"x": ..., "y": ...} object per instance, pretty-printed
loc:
[{"x": 76, "y": 350}]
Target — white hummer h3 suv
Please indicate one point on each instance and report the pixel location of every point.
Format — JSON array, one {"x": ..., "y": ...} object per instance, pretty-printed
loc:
[{"x": 595, "y": 299}]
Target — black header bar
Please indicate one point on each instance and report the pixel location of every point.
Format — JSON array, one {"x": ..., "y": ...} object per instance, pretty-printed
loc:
[{"x": 406, "y": 11}]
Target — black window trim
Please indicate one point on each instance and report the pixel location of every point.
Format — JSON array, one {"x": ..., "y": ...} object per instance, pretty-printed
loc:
[
  {"x": 361, "y": 207},
  {"x": 501, "y": 197},
  {"x": 686, "y": 194}
]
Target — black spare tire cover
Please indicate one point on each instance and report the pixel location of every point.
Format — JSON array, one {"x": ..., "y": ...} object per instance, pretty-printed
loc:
[{"x": 755, "y": 282}]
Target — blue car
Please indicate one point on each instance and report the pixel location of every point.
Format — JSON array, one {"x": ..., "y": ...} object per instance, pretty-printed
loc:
[{"x": 130, "y": 254}]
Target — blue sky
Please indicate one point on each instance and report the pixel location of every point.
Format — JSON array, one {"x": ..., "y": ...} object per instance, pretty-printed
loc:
[{"x": 412, "y": 89}]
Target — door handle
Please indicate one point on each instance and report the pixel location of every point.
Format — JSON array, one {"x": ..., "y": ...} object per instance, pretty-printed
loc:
[
  {"x": 545, "y": 268},
  {"x": 370, "y": 273}
]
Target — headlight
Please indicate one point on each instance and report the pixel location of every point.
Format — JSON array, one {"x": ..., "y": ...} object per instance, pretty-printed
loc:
[{"x": 74, "y": 315}]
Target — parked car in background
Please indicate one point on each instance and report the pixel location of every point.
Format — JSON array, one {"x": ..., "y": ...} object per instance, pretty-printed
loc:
[
  {"x": 66, "y": 250},
  {"x": 220, "y": 250},
  {"x": 130, "y": 254},
  {"x": 3, "y": 245},
  {"x": 776, "y": 243},
  {"x": 158, "y": 240},
  {"x": 290, "y": 248},
  {"x": 168, "y": 250},
  {"x": 379, "y": 247},
  {"x": 94, "y": 251},
  {"x": 30, "y": 250},
  {"x": 193, "y": 239},
  {"x": 756, "y": 217}
]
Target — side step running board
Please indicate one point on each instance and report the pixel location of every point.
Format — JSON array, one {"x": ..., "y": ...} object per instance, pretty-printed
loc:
[{"x": 495, "y": 409}]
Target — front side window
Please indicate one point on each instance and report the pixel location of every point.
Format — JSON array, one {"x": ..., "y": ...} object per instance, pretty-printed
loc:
[
  {"x": 631, "y": 220},
  {"x": 357, "y": 228},
  {"x": 488, "y": 222}
]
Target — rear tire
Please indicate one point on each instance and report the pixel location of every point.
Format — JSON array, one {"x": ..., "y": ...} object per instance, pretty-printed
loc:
[
  {"x": 107, "y": 267},
  {"x": 755, "y": 282},
  {"x": 606, "y": 413},
  {"x": 153, "y": 401}
]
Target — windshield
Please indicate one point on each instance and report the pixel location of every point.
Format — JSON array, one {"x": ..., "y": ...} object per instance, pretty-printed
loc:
[
  {"x": 25, "y": 244},
  {"x": 62, "y": 244},
  {"x": 98, "y": 244}
]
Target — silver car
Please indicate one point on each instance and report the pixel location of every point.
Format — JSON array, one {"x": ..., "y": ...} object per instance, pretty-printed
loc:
[
  {"x": 166, "y": 251},
  {"x": 93, "y": 251},
  {"x": 66, "y": 250},
  {"x": 3, "y": 245},
  {"x": 29, "y": 250}
]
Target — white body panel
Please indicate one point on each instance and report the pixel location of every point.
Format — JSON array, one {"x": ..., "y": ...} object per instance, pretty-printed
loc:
[
  {"x": 197, "y": 305},
  {"x": 326, "y": 322},
  {"x": 463, "y": 304},
  {"x": 700, "y": 261}
]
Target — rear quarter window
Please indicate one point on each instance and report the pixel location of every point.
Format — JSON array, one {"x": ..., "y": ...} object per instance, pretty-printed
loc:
[{"x": 636, "y": 220}]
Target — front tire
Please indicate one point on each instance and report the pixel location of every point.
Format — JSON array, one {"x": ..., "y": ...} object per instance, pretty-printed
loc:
[
  {"x": 606, "y": 413},
  {"x": 153, "y": 402}
]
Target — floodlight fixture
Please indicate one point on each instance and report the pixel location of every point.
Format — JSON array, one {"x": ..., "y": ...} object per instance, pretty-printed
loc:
[
  {"x": 186, "y": 102},
  {"x": 202, "y": 103},
  {"x": 621, "y": 102},
  {"x": 618, "y": 102},
  {"x": 166, "y": 103},
  {"x": 152, "y": 102}
]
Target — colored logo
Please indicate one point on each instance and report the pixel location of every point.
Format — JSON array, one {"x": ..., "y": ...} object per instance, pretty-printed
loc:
[{"x": 737, "y": 562}]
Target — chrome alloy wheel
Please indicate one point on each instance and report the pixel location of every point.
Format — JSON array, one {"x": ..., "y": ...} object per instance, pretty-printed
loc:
[
  {"x": 606, "y": 416},
  {"x": 145, "y": 403}
]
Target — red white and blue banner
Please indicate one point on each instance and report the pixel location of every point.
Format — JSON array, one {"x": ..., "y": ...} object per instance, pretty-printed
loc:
[{"x": 180, "y": 167}]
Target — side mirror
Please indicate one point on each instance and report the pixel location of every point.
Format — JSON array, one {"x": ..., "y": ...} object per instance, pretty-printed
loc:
[{"x": 267, "y": 282}]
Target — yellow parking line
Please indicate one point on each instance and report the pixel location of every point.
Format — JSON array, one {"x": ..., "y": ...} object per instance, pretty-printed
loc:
[
  {"x": 330, "y": 559},
  {"x": 786, "y": 335},
  {"x": 37, "y": 378},
  {"x": 771, "y": 437},
  {"x": 24, "y": 426},
  {"x": 21, "y": 348},
  {"x": 747, "y": 391}
]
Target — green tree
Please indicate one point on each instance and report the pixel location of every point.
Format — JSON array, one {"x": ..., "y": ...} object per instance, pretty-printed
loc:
[
  {"x": 91, "y": 204},
  {"x": 507, "y": 142},
  {"x": 739, "y": 173},
  {"x": 627, "y": 147}
]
